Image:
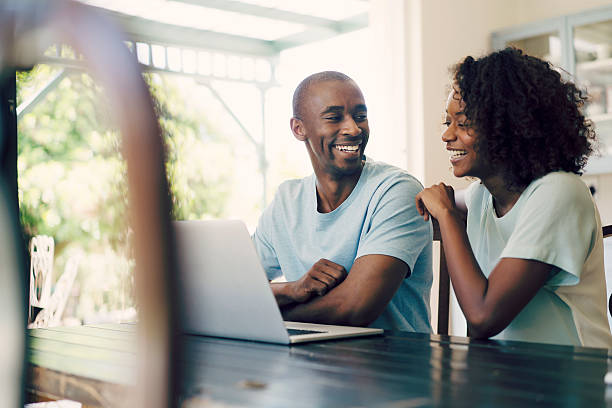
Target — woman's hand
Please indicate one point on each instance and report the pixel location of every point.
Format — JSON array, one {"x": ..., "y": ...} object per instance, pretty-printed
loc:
[{"x": 435, "y": 201}]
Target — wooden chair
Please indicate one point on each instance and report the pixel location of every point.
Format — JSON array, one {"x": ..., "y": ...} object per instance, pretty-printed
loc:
[
  {"x": 607, "y": 232},
  {"x": 444, "y": 284}
]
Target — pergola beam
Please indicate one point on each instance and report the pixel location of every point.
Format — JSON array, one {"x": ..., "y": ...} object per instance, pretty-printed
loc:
[
  {"x": 265, "y": 12},
  {"x": 149, "y": 31},
  {"x": 28, "y": 105},
  {"x": 141, "y": 29},
  {"x": 317, "y": 33}
]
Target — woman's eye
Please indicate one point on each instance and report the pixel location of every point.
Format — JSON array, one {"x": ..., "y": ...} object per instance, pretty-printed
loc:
[{"x": 446, "y": 123}]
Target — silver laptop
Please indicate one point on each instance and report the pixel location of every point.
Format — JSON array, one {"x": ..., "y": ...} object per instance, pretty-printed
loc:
[{"x": 226, "y": 292}]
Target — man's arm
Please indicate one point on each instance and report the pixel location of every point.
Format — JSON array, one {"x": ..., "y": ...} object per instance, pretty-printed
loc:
[
  {"x": 320, "y": 279},
  {"x": 359, "y": 299}
]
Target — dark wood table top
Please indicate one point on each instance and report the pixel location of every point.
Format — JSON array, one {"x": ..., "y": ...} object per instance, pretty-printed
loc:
[{"x": 95, "y": 365}]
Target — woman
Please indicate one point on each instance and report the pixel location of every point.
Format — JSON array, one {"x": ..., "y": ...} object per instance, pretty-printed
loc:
[{"x": 530, "y": 266}]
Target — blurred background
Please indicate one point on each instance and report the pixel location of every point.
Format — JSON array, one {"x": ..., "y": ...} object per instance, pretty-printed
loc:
[{"x": 222, "y": 73}]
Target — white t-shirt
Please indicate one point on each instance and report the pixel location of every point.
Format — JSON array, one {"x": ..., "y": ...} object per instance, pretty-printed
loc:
[{"x": 554, "y": 221}]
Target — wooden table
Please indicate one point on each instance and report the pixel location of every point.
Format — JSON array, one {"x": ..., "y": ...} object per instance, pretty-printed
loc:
[{"x": 95, "y": 365}]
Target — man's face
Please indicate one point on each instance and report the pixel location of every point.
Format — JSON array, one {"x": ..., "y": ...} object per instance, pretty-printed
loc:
[{"x": 334, "y": 126}]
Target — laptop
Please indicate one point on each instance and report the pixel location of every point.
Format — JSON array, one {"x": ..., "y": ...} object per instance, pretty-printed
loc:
[{"x": 226, "y": 291}]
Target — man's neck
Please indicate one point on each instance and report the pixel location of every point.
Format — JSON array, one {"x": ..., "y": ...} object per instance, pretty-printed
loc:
[{"x": 332, "y": 191}]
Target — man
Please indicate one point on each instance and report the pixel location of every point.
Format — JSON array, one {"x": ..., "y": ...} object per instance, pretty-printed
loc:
[{"x": 348, "y": 239}]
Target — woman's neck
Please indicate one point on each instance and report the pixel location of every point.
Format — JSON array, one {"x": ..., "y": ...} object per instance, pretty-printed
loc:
[{"x": 503, "y": 197}]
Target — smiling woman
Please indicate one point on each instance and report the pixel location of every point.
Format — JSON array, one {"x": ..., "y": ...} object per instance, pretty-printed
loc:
[{"x": 518, "y": 272}]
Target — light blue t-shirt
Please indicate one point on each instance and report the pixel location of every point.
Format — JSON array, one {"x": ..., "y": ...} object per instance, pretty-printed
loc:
[
  {"x": 554, "y": 221},
  {"x": 378, "y": 217}
]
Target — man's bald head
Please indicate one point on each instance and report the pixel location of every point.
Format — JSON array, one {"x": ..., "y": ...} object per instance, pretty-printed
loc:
[{"x": 301, "y": 92}]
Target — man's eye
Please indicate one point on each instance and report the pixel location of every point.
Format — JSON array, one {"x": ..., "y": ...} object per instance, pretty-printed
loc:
[
  {"x": 360, "y": 117},
  {"x": 334, "y": 118}
]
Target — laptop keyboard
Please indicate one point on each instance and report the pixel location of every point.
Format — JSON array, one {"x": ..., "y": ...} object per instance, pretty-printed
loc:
[{"x": 294, "y": 332}]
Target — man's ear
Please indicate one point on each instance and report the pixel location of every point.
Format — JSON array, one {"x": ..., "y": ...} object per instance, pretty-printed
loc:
[{"x": 297, "y": 127}]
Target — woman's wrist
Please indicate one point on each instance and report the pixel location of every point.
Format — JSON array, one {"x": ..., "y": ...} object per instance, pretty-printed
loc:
[{"x": 448, "y": 215}]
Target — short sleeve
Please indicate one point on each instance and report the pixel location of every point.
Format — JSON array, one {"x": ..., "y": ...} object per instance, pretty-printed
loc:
[
  {"x": 557, "y": 226},
  {"x": 262, "y": 239},
  {"x": 396, "y": 229}
]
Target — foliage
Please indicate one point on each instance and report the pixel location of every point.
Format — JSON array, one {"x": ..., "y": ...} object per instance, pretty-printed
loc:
[{"x": 72, "y": 183}]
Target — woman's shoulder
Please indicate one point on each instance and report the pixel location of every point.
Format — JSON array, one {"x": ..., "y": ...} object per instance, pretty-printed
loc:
[
  {"x": 560, "y": 185},
  {"x": 476, "y": 193}
]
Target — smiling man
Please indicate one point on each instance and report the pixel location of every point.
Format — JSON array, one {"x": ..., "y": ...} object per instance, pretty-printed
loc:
[{"x": 348, "y": 239}]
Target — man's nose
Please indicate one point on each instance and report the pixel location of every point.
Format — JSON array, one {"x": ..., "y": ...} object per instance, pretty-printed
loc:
[{"x": 350, "y": 127}]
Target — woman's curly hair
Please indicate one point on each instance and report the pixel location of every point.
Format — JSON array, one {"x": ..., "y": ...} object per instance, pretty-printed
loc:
[{"x": 528, "y": 120}]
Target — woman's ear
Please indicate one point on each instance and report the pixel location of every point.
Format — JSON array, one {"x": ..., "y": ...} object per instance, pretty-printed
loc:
[{"x": 297, "y": 127}]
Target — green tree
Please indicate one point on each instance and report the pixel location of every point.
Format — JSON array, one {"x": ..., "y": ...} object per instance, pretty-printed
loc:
[{"x": 72, "y": 183}]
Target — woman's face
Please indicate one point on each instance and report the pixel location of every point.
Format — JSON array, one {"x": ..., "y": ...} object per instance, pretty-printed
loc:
[{"x": 460, "y": 138}]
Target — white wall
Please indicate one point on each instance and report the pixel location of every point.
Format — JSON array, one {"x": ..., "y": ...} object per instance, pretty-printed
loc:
[{"x": 450, "y": 31}]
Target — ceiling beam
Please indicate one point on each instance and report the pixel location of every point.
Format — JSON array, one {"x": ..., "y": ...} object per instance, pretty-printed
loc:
[
  {"x": 265, "y": 12},
  {"x": 317, "y": 33},
  {"x": 141, "y": 29}
]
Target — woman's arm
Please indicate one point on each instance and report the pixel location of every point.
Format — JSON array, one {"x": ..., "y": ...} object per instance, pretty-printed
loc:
[{"x": 489, "y": 305}]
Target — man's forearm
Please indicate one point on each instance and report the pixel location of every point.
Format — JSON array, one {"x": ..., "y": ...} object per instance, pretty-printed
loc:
[
  {"x": 282, "y": 293},
  {"x": 328, "y": 309},
  {"x": 319, "y": 309}
]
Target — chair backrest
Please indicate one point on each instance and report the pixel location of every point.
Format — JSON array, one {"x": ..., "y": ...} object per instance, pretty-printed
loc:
[
  {"x": 51, "y": 315},
  {"x": 443, "y": 285},
  {"x": 42, "y": 249},
  {"x": 607, "y": 232}
]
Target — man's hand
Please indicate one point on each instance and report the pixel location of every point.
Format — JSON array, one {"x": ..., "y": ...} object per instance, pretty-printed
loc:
[{"x": 322, "y": 277}]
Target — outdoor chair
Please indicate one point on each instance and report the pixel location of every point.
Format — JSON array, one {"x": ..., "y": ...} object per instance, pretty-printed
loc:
[{"x": 42, "y": 249}]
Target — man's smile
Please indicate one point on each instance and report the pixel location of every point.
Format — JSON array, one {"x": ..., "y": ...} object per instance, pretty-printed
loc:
[{"x": 349, "y": 148}]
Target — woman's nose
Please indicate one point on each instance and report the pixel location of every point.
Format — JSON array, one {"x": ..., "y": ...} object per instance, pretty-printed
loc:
[{"x": 448, "y": 134}]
